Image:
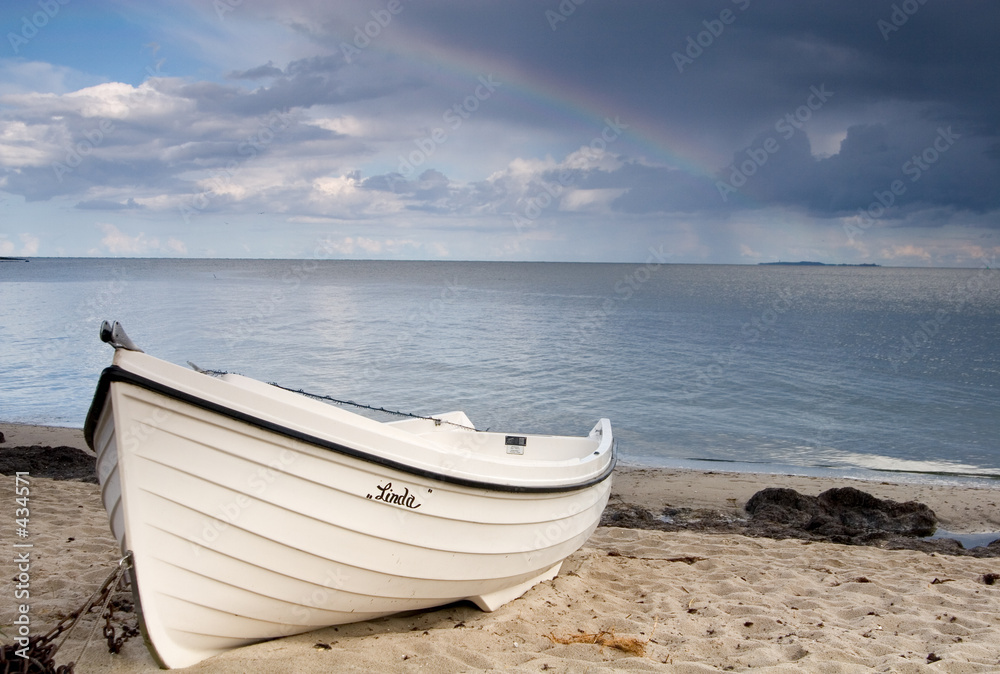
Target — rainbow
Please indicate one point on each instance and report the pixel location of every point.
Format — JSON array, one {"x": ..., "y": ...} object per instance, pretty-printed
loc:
[{"x": 542, "y": 96}]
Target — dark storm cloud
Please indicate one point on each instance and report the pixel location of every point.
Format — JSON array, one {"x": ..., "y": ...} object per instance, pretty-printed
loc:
[
  {"x": 429, "y": 186},
  {"x": 43, "y": 183},
  {"x": 897, "y": 73},
  {"x": 758, "y": 64},
  {"x": 660, "y": 189},
  {"x": 303, "y": 83},
  {"x": 905, "y": 167},
  {"x": 259, "y": 73}
]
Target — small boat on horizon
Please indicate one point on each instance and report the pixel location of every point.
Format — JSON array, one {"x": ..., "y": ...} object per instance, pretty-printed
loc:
[{"x": 252, "y": 512}]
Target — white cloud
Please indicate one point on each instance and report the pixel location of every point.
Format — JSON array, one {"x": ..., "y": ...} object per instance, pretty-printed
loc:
[
  {"x": 906, "y": 251},
  {"x": 527, "y": 168},
  {"x": 111, "y": 101},
  {"x": 29, "y": 245},
  {"x": 361, "y": 245},
  {"x": 117, "y": 242},
  {"x": 438, "y": 249},
  {"x": 336, "y": 186},
  {"x": 176, "y": 246},
  {"x": 23, "y": 145},
  {"x": 596, "y": 201},
  {"x": 349, "y": 125}
]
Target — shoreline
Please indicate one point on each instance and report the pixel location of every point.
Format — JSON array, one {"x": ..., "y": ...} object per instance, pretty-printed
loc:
[
  {"x": 684, "y": 601},
  {"x": 960, "y": 509}
]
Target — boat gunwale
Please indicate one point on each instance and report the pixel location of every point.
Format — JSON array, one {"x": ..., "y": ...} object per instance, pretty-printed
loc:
[{"x": 117, "y": 374}]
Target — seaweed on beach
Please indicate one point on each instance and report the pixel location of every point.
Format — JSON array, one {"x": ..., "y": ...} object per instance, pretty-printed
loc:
[
  {"x": 57, "y": 463},
  {"x": 841, "y": 515},
  {"x": 844, "y": 515}
]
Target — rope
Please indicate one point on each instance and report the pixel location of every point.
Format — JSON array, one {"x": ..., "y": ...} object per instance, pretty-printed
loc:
[
  {"x": 325, "y": 398},
  {"x": 112, "y": 582}
]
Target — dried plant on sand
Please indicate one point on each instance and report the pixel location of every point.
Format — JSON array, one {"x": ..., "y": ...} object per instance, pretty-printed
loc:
[{"x": 629, "y": 645}]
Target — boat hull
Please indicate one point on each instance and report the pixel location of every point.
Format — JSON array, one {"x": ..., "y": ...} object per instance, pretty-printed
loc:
[{"x": 240, "y": 532}]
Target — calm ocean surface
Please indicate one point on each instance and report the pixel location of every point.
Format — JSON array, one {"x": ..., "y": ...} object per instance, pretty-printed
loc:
[{"x": 812, "y": 370}]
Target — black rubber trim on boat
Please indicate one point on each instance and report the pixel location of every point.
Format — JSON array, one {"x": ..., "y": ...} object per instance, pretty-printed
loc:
[{"x": 115, "y": 373}]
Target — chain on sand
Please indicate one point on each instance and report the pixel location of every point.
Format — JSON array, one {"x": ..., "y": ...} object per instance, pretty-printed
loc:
[{"x": 38, "y": 657}]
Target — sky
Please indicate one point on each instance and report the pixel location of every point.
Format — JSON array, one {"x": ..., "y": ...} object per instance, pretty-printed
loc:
[{"x": 689, "y": 131}]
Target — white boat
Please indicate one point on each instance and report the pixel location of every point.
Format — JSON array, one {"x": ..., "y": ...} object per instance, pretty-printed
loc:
[{"x": 252, "y": 512}]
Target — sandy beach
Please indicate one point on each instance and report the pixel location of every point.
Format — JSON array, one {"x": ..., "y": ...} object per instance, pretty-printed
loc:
[{"x": 630, "y": 599}]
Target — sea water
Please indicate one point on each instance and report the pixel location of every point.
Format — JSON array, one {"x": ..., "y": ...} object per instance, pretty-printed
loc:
[{"x": 808, "y": 369}]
